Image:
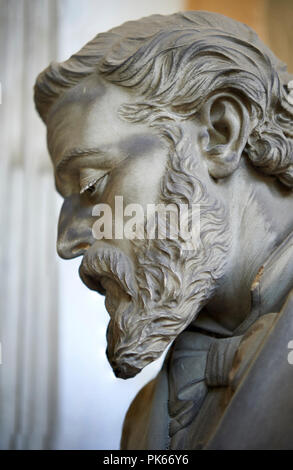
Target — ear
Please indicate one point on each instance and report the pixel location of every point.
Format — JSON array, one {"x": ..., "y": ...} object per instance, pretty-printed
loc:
[{"x": 226, "y": 128}]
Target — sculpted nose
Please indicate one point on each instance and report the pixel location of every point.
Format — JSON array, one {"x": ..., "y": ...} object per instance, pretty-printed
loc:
[{"x": 74, "y": 228}]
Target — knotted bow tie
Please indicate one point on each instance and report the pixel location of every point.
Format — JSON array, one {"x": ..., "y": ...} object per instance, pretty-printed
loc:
[{"x": 197, "y": 362}]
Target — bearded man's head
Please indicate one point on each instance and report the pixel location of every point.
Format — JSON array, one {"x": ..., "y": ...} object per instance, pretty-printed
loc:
[{"x": 163, "y": 110}]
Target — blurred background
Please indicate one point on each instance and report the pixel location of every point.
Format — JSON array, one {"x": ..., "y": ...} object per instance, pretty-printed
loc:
[{"x": 57, "y": 390}]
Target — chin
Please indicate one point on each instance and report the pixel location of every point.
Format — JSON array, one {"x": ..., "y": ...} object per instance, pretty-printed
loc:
[
  {"x": 128, "y": 370},
  {"x": 131, "y": 349}
]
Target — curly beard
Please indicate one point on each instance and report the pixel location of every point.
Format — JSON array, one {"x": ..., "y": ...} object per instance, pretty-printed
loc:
[{"x": 154, "y": 297}]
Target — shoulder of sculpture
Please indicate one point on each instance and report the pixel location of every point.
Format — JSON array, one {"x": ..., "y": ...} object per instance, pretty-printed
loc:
[{"x": 261, "y": 405}]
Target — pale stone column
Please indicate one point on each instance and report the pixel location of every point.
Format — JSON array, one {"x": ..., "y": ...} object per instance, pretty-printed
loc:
[{"x": 28, "y": 215}]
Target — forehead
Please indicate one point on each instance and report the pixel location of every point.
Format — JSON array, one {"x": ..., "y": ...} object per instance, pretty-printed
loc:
[{"x": 86, "y": 116}]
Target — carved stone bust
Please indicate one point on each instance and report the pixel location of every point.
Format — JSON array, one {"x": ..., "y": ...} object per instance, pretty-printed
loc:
[{"x": 188, "y": 111}]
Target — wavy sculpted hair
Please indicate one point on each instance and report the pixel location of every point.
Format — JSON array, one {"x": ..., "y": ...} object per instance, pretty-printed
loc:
[{"x": 174, "y": 63}]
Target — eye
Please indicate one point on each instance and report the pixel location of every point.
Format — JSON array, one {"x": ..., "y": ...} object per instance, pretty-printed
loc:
[
  {"x": 96, "y": 185},
  {"x": 91, "y": 188}
]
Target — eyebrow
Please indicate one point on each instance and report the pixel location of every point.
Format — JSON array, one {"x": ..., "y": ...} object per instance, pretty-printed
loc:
[{"x": 77, "y": 153}]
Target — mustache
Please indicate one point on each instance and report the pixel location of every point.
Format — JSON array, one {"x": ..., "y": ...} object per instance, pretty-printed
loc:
[
  {"x": 105, "y": 261},
  {"x": 136, "y": 336}
]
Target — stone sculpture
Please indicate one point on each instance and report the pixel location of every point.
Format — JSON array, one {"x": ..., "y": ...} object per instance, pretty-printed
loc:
[{"x": 188, "y": 110}]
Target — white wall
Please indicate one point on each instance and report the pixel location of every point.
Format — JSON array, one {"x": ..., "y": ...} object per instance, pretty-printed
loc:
[{"x": 28, "y": 274}]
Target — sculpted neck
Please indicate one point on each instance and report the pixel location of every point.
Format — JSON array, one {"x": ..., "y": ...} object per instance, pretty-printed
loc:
[{"x": 261, "y": 217}]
